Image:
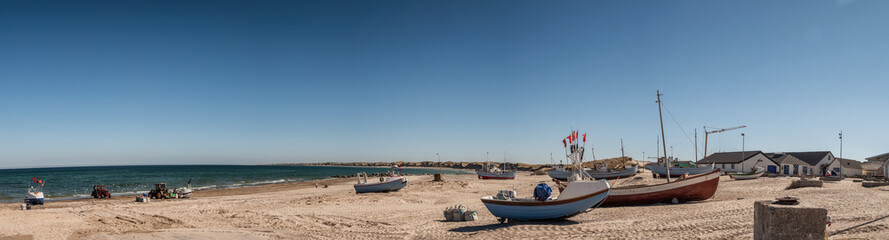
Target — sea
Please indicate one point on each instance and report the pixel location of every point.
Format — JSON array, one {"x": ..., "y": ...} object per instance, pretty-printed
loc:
[{"x": 64, "y": 183}]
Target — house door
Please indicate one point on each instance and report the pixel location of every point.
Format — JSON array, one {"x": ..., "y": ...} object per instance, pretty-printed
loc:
[
  {"x": 795, "y": 169},
  {"x": 786, "y": 170},
  {"x": 773, "y": 169}
]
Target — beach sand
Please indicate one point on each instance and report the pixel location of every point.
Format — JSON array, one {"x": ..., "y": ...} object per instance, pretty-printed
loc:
[{"x": 301, "y": 211}]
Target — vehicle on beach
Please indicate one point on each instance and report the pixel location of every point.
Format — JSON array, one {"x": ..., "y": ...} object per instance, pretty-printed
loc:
[
  {"x": 491, "y": 171},
  {"x": 580, "y": 194},
  {"x": 392, "y": 182}
]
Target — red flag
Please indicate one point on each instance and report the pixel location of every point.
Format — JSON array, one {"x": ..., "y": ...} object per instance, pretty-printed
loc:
[
  {"x": 584, "y": 137},
  {"x": 40, "y": 181},
  {"x": 564, "y": 143},
  {"x": 34, "y": 179},
  {"x": 570, "y": 138}
]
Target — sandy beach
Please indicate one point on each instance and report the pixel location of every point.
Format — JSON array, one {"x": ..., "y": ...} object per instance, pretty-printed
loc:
[{"x": 301, "y": 211}]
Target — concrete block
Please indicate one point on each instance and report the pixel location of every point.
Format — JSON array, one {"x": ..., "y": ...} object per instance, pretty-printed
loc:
[
  {"x": 773, "y": 221},
  {"x": 801, "y": 183},
  {"x": 874, "y": 184}
]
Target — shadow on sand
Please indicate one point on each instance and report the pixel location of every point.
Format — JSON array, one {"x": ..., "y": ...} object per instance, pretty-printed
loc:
[
  {"x": 859, "y": 225},
  {"x": 495, "y": 226}
]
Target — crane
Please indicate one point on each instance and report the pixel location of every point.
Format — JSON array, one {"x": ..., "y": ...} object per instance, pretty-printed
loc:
[{"x": 707, "y": 133}]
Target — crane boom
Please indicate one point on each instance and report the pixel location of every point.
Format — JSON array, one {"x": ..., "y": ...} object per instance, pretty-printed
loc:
[{"x": 706, "y": 134}]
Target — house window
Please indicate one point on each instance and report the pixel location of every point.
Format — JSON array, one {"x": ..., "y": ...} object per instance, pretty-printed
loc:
[
  {"x": 795, "y": 169},
  {"x": 723, "y": 166},
  {"x": 786, "y": 169},
  {"x": 837, "y": 170},
  {"x": 733, "y": 166},
  {"x": 805, "y": 170}
]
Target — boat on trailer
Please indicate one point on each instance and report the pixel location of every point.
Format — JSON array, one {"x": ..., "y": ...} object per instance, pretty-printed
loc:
[
  {"x": 392, "y": 182},
  {"x": 579, "y": 195},
  {"x": 756, "y": 173},
  {"x": 35, "y": 193}
]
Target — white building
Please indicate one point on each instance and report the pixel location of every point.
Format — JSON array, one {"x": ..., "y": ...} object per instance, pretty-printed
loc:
[
  {"x": 846, "y": 167},
  {"x": 875, "y": 166},
  {"x": 739, "y": 161},
  {"x": 790, "y": 165}
]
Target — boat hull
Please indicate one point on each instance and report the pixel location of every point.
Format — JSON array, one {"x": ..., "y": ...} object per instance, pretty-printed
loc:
[
  {"x": 745, "y": 176},
  {"x": 560, "y": 175},
  {"x": 615, "y": 174},
  {"x": 831, "y": 178},
  {"x": 676, "y": 172},
  {"x": 34, "y": 198},
  {"x": 694, "y": 188},
  {"x": 537, "y": 210},
  {"x": 501, "y": 175},
  {"x": 387, "y": 186}
]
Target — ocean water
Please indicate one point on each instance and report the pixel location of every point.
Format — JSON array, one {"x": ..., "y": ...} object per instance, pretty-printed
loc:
[{"x": 77, "y": 182}]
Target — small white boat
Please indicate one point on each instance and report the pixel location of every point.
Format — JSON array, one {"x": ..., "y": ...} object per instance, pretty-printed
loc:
[
  {"x": 757, "y": 172},
  {"x": 576, "y": 198},
  {"x": 35, "y": 194},
  {"x": 393, "y": 182}
]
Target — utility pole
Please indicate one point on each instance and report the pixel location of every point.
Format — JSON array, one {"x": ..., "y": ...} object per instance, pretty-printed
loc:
[{"x": 663, "y": 139}]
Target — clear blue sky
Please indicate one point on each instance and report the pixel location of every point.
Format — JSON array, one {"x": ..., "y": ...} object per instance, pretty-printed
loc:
[{"x": 160, "y": 82}]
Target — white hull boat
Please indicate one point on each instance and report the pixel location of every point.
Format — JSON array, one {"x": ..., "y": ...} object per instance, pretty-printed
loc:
[
  {"x": 745, "y": 176},
  {"x": 576, "y": 198},
  {"x": 387, "y": 184},
  {"x": 34, "y": 198}
]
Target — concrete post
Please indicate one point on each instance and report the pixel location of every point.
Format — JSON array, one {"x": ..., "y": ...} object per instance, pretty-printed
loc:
[{"x": 773, "y": 221}]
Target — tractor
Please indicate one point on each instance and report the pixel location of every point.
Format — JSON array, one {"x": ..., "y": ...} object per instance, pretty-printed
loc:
[
  {"x": 160, "y": 191},
  {"x": 99, "y": 191}
]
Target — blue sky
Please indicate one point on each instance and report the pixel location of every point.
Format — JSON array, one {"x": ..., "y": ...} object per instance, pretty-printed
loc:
[{"x": 205, "y": 82}]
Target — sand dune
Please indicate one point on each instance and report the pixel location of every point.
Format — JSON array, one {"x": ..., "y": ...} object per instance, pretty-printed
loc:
[{"x": 301, "y": 211}]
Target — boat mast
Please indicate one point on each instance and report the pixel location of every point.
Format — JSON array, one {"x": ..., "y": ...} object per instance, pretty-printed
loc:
[{"x": 663, "y": 139}]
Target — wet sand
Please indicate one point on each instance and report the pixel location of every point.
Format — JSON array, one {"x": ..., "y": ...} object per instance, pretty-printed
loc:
[{"x": 301, "y": 211}]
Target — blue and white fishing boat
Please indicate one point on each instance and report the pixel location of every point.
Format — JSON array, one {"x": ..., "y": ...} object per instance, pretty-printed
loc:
[
  {"x": 392, "y": 182},
  {"x": 628, "y": 172},
  {"x": 579, "y": 195},
  {"x": 35, "y": 194}
]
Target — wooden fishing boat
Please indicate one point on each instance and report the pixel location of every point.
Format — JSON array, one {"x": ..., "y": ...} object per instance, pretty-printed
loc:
[
  {"x": 692, "y": 188},
  {"x": 676, "y": 171},
  {"x": 757, "y": 172},
  {"x": 393, "y": 182}
]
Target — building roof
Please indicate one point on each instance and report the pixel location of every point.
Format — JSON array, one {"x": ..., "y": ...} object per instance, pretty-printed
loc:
[
  {"x": 849, "y": 163},
  {"x": 871, "y": 166},
  {"x": 730, "y": 157},
  {"x": 881, "y": 157},
  {"x": 812, "y": 158},
  {"x": 784, "y": 159}
]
